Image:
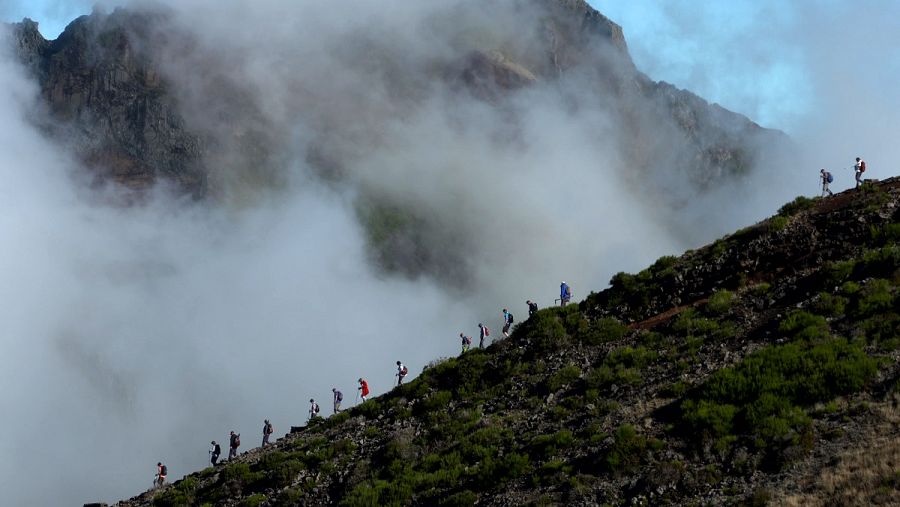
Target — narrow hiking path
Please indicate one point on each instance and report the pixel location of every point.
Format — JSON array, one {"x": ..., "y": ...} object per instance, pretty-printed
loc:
[{"x": 666, "y": 315}]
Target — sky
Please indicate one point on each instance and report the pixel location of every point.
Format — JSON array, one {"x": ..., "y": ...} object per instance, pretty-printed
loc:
[{"x": 158, "y": 323}]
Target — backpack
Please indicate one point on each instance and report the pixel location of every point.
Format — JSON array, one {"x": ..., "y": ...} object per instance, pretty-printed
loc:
[
  {"x": 270, "y": 429},
  {"x": 237, "y": 441},
  {"x": 487, "y": 332},
  {"x": 315, "y": 408},
  {"x": 468, "y": 340},
  {"x": 404, "y": 370},
  {"x": 509, "y": 318},
  {"x": 829, "y": 178},
  {"x": 340, "y": 396},
  {"x": 862, "y": 166},
  {"x": 164, "y": 471}
]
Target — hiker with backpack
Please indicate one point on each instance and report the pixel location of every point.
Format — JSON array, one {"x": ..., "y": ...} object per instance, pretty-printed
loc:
[
  {"x": 532, "y": 308},
  {"x": 161, "y": 473},
  {"x": 565, "y": 293},
  {"x": 338, "y": 398},
  {"x": 483, "y": 333},
  {"x": 313, "y": 409},
  {"x": 234, "y": 442},
  {"x": 859, "y": 168},
  {"x": 466, "y": 342},
  {"x": 363, "y": 389},
  {"x": 268, "y": 429},
  {"x": 507, "y": 322},
  {"x": 214, "y": 451},
  {"x": 827, "y": 178},
  {"x": 402, "y": 372}
]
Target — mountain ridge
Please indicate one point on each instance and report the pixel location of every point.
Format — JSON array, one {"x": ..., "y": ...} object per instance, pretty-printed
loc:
[{"x": 761, "y": 368}]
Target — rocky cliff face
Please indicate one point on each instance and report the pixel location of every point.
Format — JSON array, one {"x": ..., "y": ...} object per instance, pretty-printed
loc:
[
  {"x": 111, "y": 103},
  {"x": 108, "y": 103},
  {"x": 762, "y": 368}
]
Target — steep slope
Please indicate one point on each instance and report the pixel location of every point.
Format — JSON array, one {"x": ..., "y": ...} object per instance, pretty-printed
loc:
[{"x": 762, "y": 367}]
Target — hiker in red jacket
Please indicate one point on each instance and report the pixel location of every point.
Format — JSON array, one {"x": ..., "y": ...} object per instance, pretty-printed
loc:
[
  {"x": 859, "y": 168},
  {"x": 161, "y": 473},
  {"x": 363, "y": 389}
]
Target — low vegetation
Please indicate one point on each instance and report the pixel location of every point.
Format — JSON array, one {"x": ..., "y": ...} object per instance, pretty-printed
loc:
[{"x": 694, "y": 381}]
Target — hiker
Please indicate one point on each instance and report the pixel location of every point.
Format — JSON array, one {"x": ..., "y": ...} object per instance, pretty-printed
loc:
[
  {"x": 507, "y": 322},
  {"x": 338, "y": 398},
  {"x": 565, "y": 294},
  {"x": 363, "y": 389},
  {"x": 859, "y": 167},
  {"x": 161, "y": 474},
  {"x": 532, "y": 308},
  {"x": 402, "y": 372},
  {"x": 234, "y": 442},
  {"x": 214, "y": 452},
  {"x": 268, "y": 429},
  {"x": 483, "y": 332},
  {"x": 313, "y": 409},
  {"x": 466, "y": 342},
  {"x": 826, "y": 179}
]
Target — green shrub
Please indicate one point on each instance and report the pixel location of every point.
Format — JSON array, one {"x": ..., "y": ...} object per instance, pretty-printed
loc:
[
  {"x": 881, "y": 262},
  {"x": 830, "y": 305},
  {"x": 801, "y": 325},
  {"x": 563, "y": 377},
  {"x": 764, "y": 394},
  {"x": 182, "y": 493},
  {"x": 885, "y": 234},
  {"x": 797, "y": 205},
  {"x": 241, "y": 473},
  {"x": 761, "y": 289},
  {"x": 883, "y": 330},
  {"x": 838, "y": 272},
  {"x": 253, "y": 500},
  {"x": 546, "y": 330},
  {"x": 777, "y": 223},
  {"x": 493, "y": 472},
  {"x": 688, "y": 323},
  {"x": 463, "y": 498},
  {"x": 850, "y": 288},
  {"x": 602, "y": 330},
  {"x": 437, "y": 401},
  {"x": 625, "y": 453},
  {"x": 874, "y": 298},
  {"x": 545, "y": 446},
  {"x": 720, "y": 302}
]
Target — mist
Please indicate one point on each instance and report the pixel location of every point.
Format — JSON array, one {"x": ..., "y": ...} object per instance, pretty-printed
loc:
[{"x": 138, "y": 334}]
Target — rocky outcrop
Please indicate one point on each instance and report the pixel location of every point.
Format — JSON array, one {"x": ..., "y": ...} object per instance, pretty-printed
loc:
[{"x": 108, "y": 103}]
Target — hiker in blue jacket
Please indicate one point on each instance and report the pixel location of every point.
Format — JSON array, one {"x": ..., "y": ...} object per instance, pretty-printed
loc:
[
  {"x": 507, "y": 322},
  {"x": 565, "y": 294}
]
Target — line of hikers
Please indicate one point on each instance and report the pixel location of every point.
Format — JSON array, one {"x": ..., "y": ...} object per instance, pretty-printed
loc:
[
  {"x": 362, "y": 391},
  {"x": 827, "y": 178}
]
